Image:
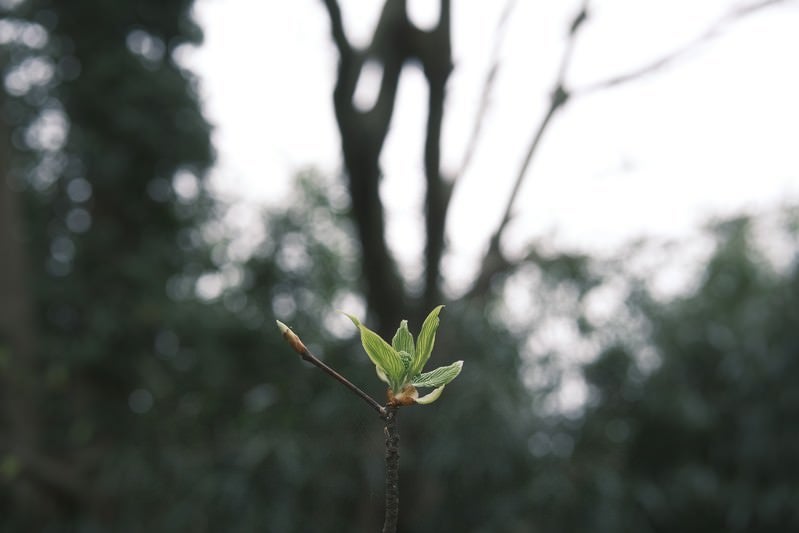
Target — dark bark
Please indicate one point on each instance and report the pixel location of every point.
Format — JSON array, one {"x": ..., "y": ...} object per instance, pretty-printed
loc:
[
  {"x": 16, "y": 331},
  {"x": 436, "y": 58},
  {"x": 395, "y": 42},
  {"x": 392, "y": 470},
  {"x": 41, "y": 482},
  {"x": 362, "y": 136}
]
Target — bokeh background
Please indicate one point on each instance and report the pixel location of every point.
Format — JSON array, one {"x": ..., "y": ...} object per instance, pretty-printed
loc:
[{"x": 649, "y": 386}]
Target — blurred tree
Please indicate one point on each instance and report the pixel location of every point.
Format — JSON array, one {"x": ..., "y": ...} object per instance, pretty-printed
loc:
[
  {"x": 396, "y": 42},
  {"x": 105, "y": 135},
  {"x": 139, "y": 390},
  {"x": 706, "y": 440}
]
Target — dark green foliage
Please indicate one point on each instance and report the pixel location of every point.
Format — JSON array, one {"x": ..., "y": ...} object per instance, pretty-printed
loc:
[{"x": 707, "y": 440}]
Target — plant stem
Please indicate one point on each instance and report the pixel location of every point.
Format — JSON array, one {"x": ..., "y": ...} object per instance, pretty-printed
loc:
[
  {"x": 387, "y": 413},
  {"x": 392, "y": 469}
]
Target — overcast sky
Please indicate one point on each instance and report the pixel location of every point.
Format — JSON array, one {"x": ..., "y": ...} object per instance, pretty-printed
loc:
[{"x": 714, "y": 132}]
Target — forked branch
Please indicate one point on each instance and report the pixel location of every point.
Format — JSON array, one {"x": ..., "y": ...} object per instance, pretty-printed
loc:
[{"x": 494, "y": 261}]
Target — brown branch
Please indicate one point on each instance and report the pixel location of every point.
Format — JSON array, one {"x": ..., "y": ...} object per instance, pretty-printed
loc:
[{"x": 297, "y": 345}]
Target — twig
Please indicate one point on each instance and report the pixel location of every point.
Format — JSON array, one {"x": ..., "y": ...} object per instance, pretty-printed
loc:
[
  {"x": 392, "y": 469},
  {"x": 493, "y": 260},
  {"x": 558, "y": 98},
  {"x": 488, "y": 88},
  {"x": 295, "y": 342},
  {"x": 657, "y": 64}
]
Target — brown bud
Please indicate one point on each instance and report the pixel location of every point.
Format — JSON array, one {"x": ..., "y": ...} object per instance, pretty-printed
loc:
[
  {"x": 407, "y": 396},
  {"x": 292, "y": 338}
]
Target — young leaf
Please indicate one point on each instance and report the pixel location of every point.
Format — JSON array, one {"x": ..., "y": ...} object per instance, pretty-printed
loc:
[
  {"x": 403, "y": 340},
  {"x": 382, "y": 375},
  {"x": 430, "y": 397},
  {"x": 382, "y": 354},
  {"x": 427, "y": 338},
  {"x": 438, "y": 377}
]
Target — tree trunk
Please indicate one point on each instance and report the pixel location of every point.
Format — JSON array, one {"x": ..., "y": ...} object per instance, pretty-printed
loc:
[{"x": 16, "y": 331}]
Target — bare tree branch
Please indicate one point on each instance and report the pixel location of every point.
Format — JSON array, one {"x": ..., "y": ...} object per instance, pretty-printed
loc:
[
  {"x": 435, "y": 55},
  {"x": 488, "y": 88},
  {"x": 362, "y": 136},
  {"x": 558, "y": 98},
  {"x": 395, "y": 41},
  {"x": 337, "y": 28},
  {"x": 673, "y": 56},
  {"x": 494, "y": 260}
]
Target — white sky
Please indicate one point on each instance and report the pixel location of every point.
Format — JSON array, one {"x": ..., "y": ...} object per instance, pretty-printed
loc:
[{"x": 713, "y": 133}]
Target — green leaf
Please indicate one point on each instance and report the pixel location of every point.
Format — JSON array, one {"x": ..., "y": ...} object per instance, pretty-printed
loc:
[
  {"x": 430, "y": 397},
  {"x": 403, "y": 340},
  {"x": 427, "y": 338},
  {"x": 438, "y": 377},
  {"x": 382, "y": 375},
  {"x": 382, "y": 355}
]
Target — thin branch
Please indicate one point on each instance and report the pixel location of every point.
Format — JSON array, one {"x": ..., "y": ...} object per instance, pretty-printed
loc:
[
  {"x": 337, "y": 28},
  {"x": 488, "y": 88},
  {"x": 294, "y": 341},
  {"x": 558, "y": 99},
  {"x": 493, "y": 260},
  {"x": 667, "y": 59}
]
